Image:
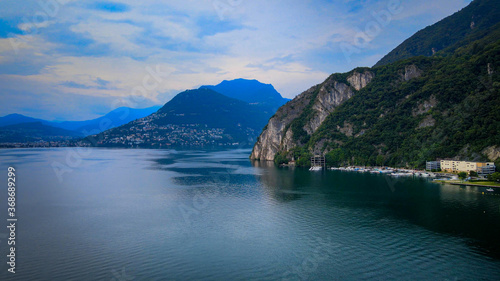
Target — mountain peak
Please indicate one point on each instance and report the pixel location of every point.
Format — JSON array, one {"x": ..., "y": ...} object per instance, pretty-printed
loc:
[
  {"x": 245, "y": 81},
  {"x": 14, "y": 115},
  {"x": 251, "y": 91},
  {"x": 16, "y": 118}
]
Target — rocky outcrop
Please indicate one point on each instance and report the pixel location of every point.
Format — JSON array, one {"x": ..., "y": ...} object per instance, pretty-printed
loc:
[
  {"x": 411, "y": 71},
  {"x": 324, "y": 97},
  {"x": 346, "y": 130},
  {"x": 489, "y": 68},
  {"x": 274, "y": 138},
  {"x": 425, "y": 107},
  {"x": 492, "y": 152},
  {"x": 331, "y": 95},
  {"x": 360, "y": 80},
  {"x": 427, "y": 122}
]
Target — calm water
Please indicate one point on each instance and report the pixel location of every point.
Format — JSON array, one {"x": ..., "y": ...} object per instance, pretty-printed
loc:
[{"x": 197, "y": 215}]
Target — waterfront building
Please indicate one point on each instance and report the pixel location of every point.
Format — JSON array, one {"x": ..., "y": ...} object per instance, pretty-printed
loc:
[
  {"x": 483, "y": 168},
  {"x": 433, "y": 165},
  {"x": 486, "y": 169}
]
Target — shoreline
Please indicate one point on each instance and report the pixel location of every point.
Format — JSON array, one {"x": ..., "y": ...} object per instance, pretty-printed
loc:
[{"x": 471, "y": 184}]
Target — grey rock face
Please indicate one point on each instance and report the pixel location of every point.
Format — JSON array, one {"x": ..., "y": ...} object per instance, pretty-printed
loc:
[
  {"x": 330, "y": 95},
  {"x": 427, "y": 122},
  {"x": 274, "y": 138},
  {"x": 493, "y": 152},
  {"x": 411, "y": 71},
  {"x": 360, "y": 80}
]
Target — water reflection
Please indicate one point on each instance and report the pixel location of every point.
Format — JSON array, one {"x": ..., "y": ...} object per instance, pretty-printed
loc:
[
  {"x": 281, "y": 184},
  {"x": 215, "y": 215},
  {"x": 467, "y": 212}
]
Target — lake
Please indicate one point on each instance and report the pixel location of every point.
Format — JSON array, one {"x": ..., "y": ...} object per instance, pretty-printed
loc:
[{"x": 113, "y": 214}]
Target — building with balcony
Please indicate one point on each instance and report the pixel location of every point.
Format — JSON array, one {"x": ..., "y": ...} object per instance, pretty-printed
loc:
[
  {"x": 482, "y": 168},
  {"x": 433, "y": 165}
]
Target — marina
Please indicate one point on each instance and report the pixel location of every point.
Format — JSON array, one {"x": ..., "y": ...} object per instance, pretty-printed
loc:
[
  {"x": 393, "y": 172},
  {"x": 406, "y": 173}
]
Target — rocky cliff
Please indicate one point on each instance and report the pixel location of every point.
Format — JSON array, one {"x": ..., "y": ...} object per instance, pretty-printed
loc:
[
  {"x": 401, "y": 114},
  {"x": 406, "y": 110},
  {"x": 314, "y": 105}
]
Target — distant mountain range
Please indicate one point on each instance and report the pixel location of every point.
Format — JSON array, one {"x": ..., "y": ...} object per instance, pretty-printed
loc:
[
  {"x": 115, "y": 118},
  {"x": 437, "y": 95},
  {"x": 25, "y": 128},
  {"x": 35, "y": 131},
  {"x": 15, "y": 118},
  {"x": 202, "y": 117},
  {"x": 232, "y": 112}
]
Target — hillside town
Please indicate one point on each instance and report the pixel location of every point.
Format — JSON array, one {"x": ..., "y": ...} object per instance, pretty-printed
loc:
[
  {"x": 147, "y": 134},
  {"x": 44, "y": 144}
]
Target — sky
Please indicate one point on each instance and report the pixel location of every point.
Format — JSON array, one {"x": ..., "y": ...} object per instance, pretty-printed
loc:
[{"x": 77, "y": 60}]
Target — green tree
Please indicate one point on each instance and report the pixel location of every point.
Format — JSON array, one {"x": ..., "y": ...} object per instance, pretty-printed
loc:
[
  {"x": 462, "y": 175},
  {"x": 473, "y": 173},
  {"x": 494, "y": 177},
  {"x": 304, "y": 161},
  {"x": 335, "y": 157},
  {"x": 280, "y": 158},
  {"x": 380, "y": 160}
]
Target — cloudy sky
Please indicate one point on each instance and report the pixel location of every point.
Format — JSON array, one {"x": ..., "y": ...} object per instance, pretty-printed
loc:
[{"x": 76, "y": 60}]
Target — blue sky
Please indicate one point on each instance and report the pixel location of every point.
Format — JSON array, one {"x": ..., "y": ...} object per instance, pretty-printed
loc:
[{"x": 76, "y": 60}]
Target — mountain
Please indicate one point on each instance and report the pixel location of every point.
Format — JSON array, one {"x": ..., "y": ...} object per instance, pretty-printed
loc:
[
  {"x": 115, "y": 118},
  {"x": 401, "y": 113},
  {"x": 251, "y": 91},
  {"x": 192, "y": 118},
  {"x": 210, "y": 108},
  {"x": 469, "y": 24},
  {"x": 15, "y": 118},
  {"x": 35, "y": 131}
]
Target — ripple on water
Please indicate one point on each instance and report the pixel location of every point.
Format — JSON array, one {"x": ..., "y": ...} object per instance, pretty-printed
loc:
[{"x": 155, "y": 215}]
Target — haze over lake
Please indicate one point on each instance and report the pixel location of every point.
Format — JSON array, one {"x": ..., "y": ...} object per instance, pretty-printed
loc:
[{"x": 215, "y": 215}]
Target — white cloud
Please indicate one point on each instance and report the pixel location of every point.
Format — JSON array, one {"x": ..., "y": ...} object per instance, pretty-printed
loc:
[
  {"x": 118, "y": 35},
  {"x": 290, "y": 44}
]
